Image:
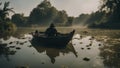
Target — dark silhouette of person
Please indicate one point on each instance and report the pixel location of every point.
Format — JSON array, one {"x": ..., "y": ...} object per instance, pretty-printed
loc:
[
  {"x": 51, "y": 31},
  {"x": 36, "y": 33}
]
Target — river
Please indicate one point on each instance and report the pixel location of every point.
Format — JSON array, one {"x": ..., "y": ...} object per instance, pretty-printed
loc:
[{"x": 89, "y": 48}]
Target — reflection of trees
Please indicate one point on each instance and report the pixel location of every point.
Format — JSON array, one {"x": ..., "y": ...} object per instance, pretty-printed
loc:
[
  {"x": 5, "y": 51},
  {"x": 111, "y": 56},
  {"x": 5, "y": 37},
  {"x": 52, "y": 53}
]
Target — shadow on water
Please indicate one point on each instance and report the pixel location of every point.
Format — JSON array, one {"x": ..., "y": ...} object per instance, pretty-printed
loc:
[
  {"x": 5, "y": 36},
  {"x": 52, "y": 53},
  {"x": 6, "y": 51}
]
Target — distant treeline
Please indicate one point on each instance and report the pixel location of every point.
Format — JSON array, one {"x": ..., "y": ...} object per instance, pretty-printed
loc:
[
  {"x": 108, "y": 16},
  {"x": 43, "y": 14}
]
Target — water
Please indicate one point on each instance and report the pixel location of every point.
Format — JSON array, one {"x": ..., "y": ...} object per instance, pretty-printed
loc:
[{"x": 83, "y": 51}]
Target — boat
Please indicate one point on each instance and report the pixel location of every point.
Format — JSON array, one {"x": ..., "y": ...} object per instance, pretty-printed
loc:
[{"x": 60, "y": 40}]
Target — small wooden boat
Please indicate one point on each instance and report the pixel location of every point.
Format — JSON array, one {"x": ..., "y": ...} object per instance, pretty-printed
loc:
[{"x": 61, "y": 40}]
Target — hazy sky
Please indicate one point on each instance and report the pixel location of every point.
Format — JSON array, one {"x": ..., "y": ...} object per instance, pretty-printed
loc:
[{"x": 73, "y": 7}]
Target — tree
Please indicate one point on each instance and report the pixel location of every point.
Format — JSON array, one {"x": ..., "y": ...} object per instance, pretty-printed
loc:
[
  {"x": 70, "y": 21},
  {"x": 109, "y": 16},
  {"x": 19, "y": 19},
  {"x": 43, "y": 13},
  {"x": 96, "y": 17},
  {"x": 110, "y": 5},
  {"x": 4, "y": 12},
  {"x": 81, "y": 20},
  {"x": 6, "y": 26},
  {"x": 61, "y": 18},
  {"x": 112, "y": 8},
  {"x": 45, "y": 4}
]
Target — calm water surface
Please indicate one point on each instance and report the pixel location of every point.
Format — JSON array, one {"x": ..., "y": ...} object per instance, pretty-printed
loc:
[{"x": 81, "y": 52}]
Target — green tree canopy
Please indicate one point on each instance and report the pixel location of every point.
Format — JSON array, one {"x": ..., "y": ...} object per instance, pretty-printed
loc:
[
  {"x": 19, "y": 19},
  {"x": 61, "y": 18},
  {"x": 45, "y": 13},
  {"x": 108, "y": 16}
]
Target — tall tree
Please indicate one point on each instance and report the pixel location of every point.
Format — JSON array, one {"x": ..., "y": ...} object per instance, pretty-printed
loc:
[
  {"x": 4, "y": 12},
  {"x": 43, "y": 13},
  {"x": 6, "y": 27},
  {"x": 112, "y": 8},
  {"x": 109, "y": 16}
]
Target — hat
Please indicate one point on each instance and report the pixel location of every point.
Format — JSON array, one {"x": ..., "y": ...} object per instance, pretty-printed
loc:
[{"x": 52, "y": 25}]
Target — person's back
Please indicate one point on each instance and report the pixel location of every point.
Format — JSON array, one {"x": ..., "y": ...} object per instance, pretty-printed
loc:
[
  {"x": 51, "y": 31},
  {"x": 36, "y": 33}
]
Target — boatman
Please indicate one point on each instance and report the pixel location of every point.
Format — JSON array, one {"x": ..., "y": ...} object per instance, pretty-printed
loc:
[
  {"x": 36, "y": 33},
  {"x": 51, "y": 31}
]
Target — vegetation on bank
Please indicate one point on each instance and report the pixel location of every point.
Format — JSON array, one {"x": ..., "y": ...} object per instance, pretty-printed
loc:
[
  {"x": 43, "y": 14},
  {"x": 6, "y": 26},
  {"x": 108, "y": 16},
  {"x": 111, "y": 16}
]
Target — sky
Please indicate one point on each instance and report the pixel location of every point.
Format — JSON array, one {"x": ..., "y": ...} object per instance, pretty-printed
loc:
[{"x": 72, "y": 7}]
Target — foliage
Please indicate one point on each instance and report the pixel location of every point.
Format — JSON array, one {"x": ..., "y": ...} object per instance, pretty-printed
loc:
[
  {"x": 19, "y": 19},
  {"x": 42, "y": 14},
  {"x": 112, "y": 9},
  {"x": 70, "y": 21},
  {"x": 6, "y": 27},
  {"x": 61, "y": 18},
  {"x": 81, "y": 19},
  {"x": 45, "y": 13},
  {"x": 4, "y": 12},
  {"x": 96, "y": 18},
  {"x": 111, "y": 17}
]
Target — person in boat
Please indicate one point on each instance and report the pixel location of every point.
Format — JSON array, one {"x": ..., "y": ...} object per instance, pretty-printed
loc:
[
  {"x": 36, "y": 33},
  {"x": 51, "y": 31}
]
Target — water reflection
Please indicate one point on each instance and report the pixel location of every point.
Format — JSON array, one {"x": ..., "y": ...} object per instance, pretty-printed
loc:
[
  {"x": 81, "y": 52},
  {"x": 8, "y": 46},
  {"x": 52, "y": 53},
  {"x": 5, "y": 37},
  {"x": 111, "y": 56},
  {"x": 5, "y": 51}
]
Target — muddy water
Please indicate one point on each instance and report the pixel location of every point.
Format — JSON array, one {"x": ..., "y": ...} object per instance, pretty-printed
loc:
[{"x": 85, "y": 50}]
